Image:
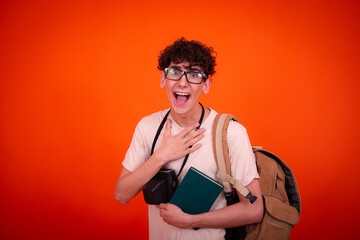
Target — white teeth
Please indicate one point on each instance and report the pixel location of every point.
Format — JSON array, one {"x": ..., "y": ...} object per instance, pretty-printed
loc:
[{"x": 182, "y": 94}]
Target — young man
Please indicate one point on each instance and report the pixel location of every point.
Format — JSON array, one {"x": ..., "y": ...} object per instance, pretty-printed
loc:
[{"x": 186, "y": 70}]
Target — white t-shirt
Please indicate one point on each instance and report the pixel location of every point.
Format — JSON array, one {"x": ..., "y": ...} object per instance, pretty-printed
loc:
[{"x": 242, "y": 161}]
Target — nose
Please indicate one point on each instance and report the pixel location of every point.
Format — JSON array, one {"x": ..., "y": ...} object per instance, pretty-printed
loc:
[{"x": 183, "y": 82}]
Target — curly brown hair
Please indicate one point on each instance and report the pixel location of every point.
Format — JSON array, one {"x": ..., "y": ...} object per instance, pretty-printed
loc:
[{"x": 194, "y": 52}]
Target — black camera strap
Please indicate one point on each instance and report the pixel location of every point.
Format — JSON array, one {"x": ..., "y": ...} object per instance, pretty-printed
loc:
[
  {"x": 161, "y": 126},
  {"x": 159, "y": 131}
]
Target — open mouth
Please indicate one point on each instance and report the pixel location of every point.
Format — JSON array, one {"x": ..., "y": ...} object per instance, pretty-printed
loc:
[{"x": 181, "y": 97}]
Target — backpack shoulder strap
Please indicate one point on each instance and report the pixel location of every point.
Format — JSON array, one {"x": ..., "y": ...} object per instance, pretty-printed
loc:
[{"x": 221, "y": 154}]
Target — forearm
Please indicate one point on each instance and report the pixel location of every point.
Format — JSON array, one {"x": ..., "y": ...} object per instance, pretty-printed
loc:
[
  {"x": 238, "y": 214},
  {"x": 130, "y": 184}
]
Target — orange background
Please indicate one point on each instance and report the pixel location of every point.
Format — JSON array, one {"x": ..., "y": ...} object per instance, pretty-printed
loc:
[{"x": 77, "y": 76}]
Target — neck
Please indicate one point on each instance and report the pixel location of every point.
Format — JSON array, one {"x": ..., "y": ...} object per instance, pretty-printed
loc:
[{"x": 188, "y": 119}]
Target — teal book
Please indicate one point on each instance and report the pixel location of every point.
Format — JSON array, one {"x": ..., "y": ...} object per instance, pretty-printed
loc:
[{"x": 197, "y": 192}]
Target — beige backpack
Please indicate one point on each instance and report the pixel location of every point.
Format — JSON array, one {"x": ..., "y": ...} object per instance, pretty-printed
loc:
[{"x": 281, "y": 196}]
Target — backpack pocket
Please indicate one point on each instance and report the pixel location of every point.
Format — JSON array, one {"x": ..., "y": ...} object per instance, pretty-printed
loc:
[{"x": 279, "y": 218}]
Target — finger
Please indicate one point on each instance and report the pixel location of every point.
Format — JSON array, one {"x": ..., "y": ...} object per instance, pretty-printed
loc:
[
  {"x": 194, "y": 140},
  {"x": 193, "y": 148},
  {"x": 188, "y": 130},
  {"x": 162, "y": 206},
  {"x": 195, "y": 135},
  {"x": 197, "y": 132}
]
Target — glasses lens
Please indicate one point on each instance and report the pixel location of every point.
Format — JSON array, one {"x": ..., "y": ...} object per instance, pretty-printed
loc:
[
  {"x": 195, "y": 77},
  {"x": 192, "y": 77},
  {"x": 173, "y": 74}
]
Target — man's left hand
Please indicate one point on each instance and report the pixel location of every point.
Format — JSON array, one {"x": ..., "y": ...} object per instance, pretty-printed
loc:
[{"x": 173, "y": 215}]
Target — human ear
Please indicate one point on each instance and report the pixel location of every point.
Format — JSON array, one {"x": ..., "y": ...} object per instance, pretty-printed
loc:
[
  {"x": 206, "y": 86},
  {"x": 162, "y": 80}
]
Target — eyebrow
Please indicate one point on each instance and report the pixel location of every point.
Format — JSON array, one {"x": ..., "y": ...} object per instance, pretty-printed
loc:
[
  {"x": 175, "y": 67},
  {"x": 194, "y": 69},
  {"x": 189, "y": 69}
]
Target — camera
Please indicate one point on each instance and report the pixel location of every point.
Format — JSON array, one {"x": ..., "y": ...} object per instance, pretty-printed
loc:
[{"x": 161, "y": 187}]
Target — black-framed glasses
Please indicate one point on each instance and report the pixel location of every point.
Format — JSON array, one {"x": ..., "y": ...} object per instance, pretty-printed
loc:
[{"x": 191, "y": 77}]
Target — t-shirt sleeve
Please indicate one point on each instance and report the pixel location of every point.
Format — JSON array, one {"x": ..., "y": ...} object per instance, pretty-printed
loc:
[
  {"x": 138, "y": 151},
  {"x": 242, "y": 158}
]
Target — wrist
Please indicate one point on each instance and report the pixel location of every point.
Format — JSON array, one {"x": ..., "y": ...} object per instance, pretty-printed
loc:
[
  {"x": 194, "y": 221},
  {"x": 159, "y": 158}
]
